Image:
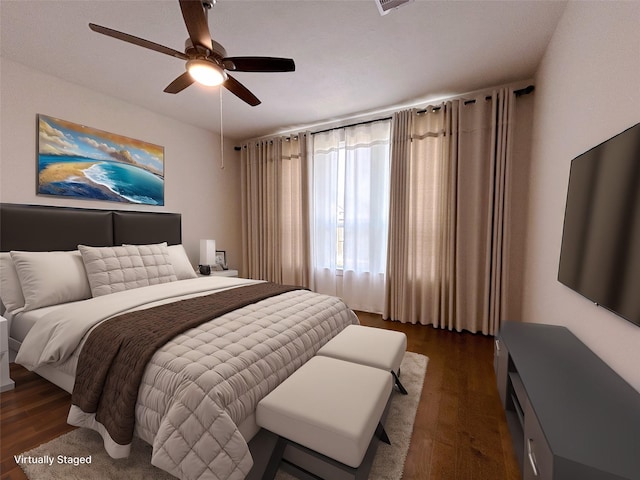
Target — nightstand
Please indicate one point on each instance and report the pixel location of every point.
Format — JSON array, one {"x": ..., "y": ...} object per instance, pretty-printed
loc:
[
  {"x": 220, "y": 273},
  {"x": 5, "y": 380},
  {"x": 225, "y": 273}
]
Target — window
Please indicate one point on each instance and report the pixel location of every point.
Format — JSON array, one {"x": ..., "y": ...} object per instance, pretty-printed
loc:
[
  {"x": 340, "y": 208},
  {"x": 350, "y": 202}
]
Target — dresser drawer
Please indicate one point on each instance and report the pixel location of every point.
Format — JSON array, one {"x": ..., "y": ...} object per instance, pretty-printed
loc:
[{"x": 538, "y": 459}]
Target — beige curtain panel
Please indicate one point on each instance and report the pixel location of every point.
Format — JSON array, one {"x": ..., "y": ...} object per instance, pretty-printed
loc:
[
  {"x": 275, "y": 209},
  {"x": 449, "y": 196}
]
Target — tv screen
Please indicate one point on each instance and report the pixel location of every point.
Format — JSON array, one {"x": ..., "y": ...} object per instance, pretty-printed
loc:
[{"x": 600, "y": 253}]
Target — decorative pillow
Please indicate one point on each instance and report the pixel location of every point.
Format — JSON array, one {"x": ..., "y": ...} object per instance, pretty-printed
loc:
[
  {"x": 114, "y": 269},
  {"x": 51, "y": 278},
  {"x": 10, "y": 288},
  {"x": 157, "y": 261},
  {"x": 180, "y": 261}
]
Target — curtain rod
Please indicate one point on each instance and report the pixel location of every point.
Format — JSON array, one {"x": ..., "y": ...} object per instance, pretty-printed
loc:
[
  {"x": 237, "y": 148},
  {"x": 522, "y": 91},
  {"x": 353, "y": 125}
]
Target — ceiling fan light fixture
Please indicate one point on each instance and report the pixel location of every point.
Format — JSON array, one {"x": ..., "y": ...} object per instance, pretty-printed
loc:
[{"x": 205, "y": 72}]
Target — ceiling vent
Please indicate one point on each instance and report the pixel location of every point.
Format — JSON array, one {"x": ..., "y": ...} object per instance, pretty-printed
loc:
[{"x": 385, "y": 6}]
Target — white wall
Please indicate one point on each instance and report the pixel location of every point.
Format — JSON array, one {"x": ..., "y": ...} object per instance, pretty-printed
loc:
[
  {"x": 207, "y": 197},
  {"x": 587, "y": 90}
]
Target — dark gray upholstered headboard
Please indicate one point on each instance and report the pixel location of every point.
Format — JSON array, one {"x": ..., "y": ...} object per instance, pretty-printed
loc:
[{"x": 45, "y": 228}]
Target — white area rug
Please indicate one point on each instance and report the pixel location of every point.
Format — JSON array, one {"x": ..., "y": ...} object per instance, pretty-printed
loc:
[{"x": 82, "y": 443}]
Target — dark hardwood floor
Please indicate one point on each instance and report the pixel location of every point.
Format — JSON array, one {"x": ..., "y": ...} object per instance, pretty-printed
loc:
[
  {"x": 30, "y": 415},
  {"x": 460, "y": 431}
]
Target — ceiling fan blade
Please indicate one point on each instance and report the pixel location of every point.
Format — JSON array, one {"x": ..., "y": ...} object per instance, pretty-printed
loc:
[
  {"x": 195, "y": 19},
  {"x": 180, "y": 83},
  {"x": 241, "y": 91},
  {"x": 141, "y": 42},
  {"x": 259, "y": 64}
]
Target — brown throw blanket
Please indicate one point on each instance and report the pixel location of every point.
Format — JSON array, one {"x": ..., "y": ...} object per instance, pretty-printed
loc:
[{"x": 115, "y": 355}]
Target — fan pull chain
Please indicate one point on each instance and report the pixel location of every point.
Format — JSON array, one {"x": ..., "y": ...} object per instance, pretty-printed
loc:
[{"x": 221, "y": 133}]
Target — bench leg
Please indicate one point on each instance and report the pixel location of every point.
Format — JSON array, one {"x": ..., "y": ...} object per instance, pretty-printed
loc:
[
  {"x": 381, "y": 434},
  {"x": 396, "y": 379},
  {"x": 274, "y": 462},
  {"x": 277, "y": 461}
]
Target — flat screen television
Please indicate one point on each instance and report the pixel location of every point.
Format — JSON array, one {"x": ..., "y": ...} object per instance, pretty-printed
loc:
[{"x": 600, "y": 253}]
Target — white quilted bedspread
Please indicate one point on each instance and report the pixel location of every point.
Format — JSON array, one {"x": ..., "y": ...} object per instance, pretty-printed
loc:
[
  {"x": 208, "y": 380},
  {"x": 205, "y": 382}
]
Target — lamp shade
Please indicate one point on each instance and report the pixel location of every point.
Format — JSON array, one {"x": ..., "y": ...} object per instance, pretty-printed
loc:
[{"x": 207, "y": 252}]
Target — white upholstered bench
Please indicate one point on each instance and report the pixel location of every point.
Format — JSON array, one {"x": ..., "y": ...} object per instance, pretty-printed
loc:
[
  {"x": 331, "y": 407},
  {"x": 370, "y": 346}
]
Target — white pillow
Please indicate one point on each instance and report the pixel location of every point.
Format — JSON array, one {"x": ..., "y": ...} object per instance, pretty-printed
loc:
[
  {"x": 180, "y": 261},
  {"x": 114, "y": 269},
  {"x": 10, "y": 289},
  {"x": 51, "y": 278},
  {"x": 157, "y": 261}
]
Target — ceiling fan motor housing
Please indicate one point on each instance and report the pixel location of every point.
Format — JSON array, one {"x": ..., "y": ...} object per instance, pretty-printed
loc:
[{"x": 218, "y": 50}]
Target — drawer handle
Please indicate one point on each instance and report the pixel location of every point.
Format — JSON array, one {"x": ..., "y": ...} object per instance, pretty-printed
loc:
[
  {"x": 497, "y": 345},
  {"x": 532, "y": 457}
]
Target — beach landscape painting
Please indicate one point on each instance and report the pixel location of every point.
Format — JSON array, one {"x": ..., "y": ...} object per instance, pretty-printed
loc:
[{"x": 86, "y": 163}]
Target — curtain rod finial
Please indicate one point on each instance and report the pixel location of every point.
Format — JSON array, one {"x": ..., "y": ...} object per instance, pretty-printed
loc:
[{"x": 524, "y": 91}]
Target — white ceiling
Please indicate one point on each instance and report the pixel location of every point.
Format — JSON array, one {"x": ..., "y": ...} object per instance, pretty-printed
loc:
[{"x": 349, "y": 59}]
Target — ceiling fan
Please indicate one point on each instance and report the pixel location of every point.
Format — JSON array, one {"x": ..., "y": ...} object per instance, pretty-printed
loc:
[{"x": 206, "y": 59}]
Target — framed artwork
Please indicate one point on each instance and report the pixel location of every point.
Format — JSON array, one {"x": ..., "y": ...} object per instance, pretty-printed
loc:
[
  {"x": 221, "y": 259},
  {"x": 86, "y": 163}
]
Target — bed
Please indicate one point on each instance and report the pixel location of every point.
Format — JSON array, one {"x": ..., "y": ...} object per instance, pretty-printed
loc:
[{"x": 81, "y": 271}]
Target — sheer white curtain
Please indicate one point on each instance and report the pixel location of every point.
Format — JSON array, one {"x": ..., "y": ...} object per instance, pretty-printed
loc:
[
  {"x": 324, "y": 210},
  {"x": 275, "y": 210},
  {"x": 350, "y": 204}
]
